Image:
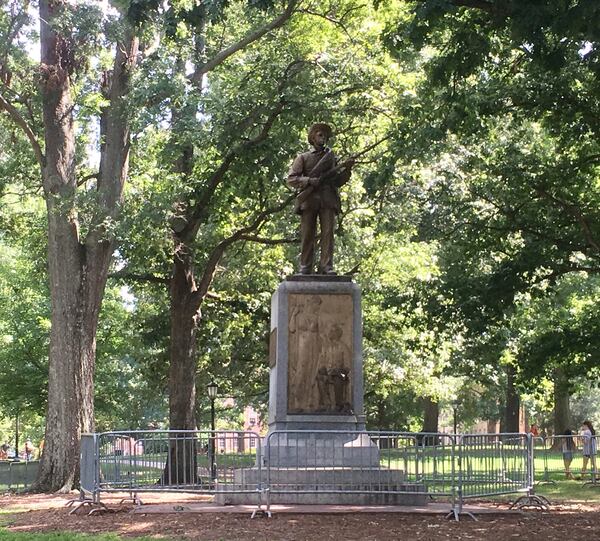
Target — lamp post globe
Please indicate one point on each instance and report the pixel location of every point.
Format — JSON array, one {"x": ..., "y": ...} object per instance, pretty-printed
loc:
[{"x": 212, "y": 389}]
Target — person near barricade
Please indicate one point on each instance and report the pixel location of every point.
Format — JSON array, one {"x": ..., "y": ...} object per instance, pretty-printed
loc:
[
  {"x": 589, "y": 448},
  {"x": 4, "y": 448},
  {"x": 29, "y": 449},
  {"x": 533, "y": 429},
  {"x": 568, "y": 448}
]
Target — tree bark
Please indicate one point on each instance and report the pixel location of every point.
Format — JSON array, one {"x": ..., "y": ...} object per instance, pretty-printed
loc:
[
  {"x": 512, "y": 405},
  {"x": 77, "y": 270},
  {"x": 185, "y": 314},
  {"x": 431, "y": 415},
  {"x": 562, "y": 411}
]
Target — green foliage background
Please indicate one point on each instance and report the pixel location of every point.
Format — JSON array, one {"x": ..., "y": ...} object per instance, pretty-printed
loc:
[{"x": 473, "y": 231}]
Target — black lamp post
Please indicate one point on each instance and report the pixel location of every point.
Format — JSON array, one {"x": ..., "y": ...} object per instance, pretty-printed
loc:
[
  {"x": 212, "y": 390},
  {"x": 16, "y": 457}
]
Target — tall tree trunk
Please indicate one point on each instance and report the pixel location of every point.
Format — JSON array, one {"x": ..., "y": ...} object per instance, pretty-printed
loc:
[
  {"x": 381, "y": 415},
  {"x": 181, "y": 468},
  {"x": 431, "y": 415},
  {"x": 186, "y": 296},
  {"x": 562, "y": 411},
  {"x": 77, "y": 270},
  {"x": 182, "y": 369},
  {"x": 512, "y": 405}
]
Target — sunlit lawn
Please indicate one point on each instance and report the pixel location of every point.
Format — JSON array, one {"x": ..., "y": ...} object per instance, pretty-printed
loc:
[{"x": 570, "y": 491}]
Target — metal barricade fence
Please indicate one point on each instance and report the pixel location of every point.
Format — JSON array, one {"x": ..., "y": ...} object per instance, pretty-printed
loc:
[
  {"x": 199, "y": 461},
  {"x": 494, "y": 464},
  {"x": 540, "y": 461},
  {"x": 391, "y": 467},
  {"x": 356, "y": 467},
  {"x": 562, "y": 457},
  {"x": 17, "y": 475},
  {"x": 437, "y": 461},
  {"x": 309, "y": 466}
]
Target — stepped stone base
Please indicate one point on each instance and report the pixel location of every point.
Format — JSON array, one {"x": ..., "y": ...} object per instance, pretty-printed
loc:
[
  {"x": 314, "y": 449},
  {"x": 333, "y": 486}
]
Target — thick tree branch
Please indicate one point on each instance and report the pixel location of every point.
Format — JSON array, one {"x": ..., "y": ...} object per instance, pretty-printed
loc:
[
  {"x": 224, "y": 54},
  {"x": 219, "y": 250},
  {"x": 264, "y": 240},
  {"x": 196, "y": 214},
  {"x": 201, "y": 207},
  {"x": 16, "y": 24},
  {"x": 337, "y": 22},
  {"x": 85, "y": 178},
  {"x": 575, "y": 211},
  {"x": 18, "y": 119},
  {"x": 557, "y": 273}
]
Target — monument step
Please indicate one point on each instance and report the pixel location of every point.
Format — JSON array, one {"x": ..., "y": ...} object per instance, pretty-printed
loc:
[
  {"x": 339, "y": 486},
  {"x": 319, "y": 476},
  {"x": 403, "y": 494},
  {"x": 321, "y": 449}
]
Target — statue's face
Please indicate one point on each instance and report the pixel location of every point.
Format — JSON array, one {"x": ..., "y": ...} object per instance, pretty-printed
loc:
[{"x": 319, "y": 139}]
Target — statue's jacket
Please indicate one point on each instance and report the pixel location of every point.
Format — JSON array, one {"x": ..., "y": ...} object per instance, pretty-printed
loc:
[{"x": 316, "y": 163}]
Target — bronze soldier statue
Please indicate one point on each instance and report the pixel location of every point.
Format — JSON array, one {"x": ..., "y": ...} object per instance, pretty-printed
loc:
[{"x": 318, "y": 175}]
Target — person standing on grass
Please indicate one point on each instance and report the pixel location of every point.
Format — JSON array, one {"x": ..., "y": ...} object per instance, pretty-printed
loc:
[
  {"x": 589, "y": 448},
  {"x": 568, "y": 448},
  {"x": 28, "y": 450}
]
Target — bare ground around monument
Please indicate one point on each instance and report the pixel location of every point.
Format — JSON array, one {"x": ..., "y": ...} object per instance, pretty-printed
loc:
[{"x": 47, "y": 513}]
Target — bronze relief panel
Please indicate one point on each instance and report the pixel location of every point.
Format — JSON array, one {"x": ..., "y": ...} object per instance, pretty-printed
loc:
[{"x": 320, "y": 354}]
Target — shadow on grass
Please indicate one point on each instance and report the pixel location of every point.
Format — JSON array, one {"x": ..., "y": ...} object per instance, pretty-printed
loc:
[{"x": 570, "y": 491}]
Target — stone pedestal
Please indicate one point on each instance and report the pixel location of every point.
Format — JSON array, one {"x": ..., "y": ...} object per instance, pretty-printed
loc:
[
  {"x": 316, "y": 378},
  {"x": 317, "y": 450}
]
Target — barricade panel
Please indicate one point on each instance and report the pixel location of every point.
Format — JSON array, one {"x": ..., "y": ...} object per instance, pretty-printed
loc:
[
  {"x": 311, "y": 466},
  {"x": 563, "y": 457},
  {"x": 436, "y": 463},
  {"x": 186, "y": 461},
  {"x": 17, "y": 475},
  {"x": 493, "y": 464},
  {"x": 344, "y": 467}
]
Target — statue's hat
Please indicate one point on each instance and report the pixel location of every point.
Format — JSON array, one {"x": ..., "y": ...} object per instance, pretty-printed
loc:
[{"x": 319, "y": 126}]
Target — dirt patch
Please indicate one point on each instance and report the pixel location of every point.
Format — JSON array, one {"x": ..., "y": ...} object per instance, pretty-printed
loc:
[{"x": 33, "y": 513}]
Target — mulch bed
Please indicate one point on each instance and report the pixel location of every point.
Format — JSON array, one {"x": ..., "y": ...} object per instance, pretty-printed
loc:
[{"x": 46, "y": 513}]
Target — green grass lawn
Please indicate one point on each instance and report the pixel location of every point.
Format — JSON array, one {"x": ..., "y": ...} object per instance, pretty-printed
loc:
[
  {"x": 569, "y": 491},
  {"x": 147, "y": 469}
]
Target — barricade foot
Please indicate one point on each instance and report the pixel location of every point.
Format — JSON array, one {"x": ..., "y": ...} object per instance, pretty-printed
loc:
[
  {"x": 262, "y": 513},
  {"x": 532, "y": 500},
  {"x": 592, "y": 483},
  {"x": 456, "y": 514},
  {"x": 134, "y": 498},
  {"x": 101, "y": 509},
  {"x": 79, "y": 504}
]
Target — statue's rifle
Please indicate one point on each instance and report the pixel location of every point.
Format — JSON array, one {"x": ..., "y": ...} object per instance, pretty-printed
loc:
[{"x": 348, "y": 162}]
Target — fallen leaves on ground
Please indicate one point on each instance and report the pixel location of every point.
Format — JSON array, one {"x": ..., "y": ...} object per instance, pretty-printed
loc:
[{"x": 46, "y": 513}]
